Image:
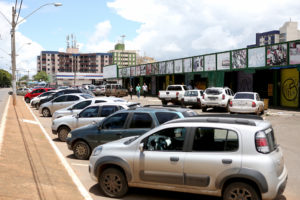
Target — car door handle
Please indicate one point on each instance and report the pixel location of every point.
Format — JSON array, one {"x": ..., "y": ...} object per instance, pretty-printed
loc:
[
  {"x": 226, "y": 161},
  {"x": 174, "y": 159}
]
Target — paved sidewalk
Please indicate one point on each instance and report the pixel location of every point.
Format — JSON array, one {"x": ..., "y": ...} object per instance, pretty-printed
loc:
[{"x": 29, "y": 167}]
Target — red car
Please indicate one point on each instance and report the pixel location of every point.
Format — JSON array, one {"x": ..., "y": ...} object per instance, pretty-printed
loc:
[{"x": 35, "y": 92}]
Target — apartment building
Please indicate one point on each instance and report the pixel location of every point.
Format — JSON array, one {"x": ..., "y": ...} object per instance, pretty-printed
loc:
[
  {"x": 122, "y": 57},
  {"x": 72, "y": 67}
]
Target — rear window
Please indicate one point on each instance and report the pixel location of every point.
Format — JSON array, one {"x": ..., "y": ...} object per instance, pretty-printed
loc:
[
  {"x": 189, "y": 113},
  {"x": 244, "y": 96},
  {"x": 213, "y": 91},
  {"x": 172, "y": 88},
  {"x": 163, "y": 117}
]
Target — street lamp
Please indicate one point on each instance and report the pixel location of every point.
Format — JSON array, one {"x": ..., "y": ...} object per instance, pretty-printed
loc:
[{"x": 13, "y": 44}]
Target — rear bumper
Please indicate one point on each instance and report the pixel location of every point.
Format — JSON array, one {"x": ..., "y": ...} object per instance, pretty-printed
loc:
[
  {"x": 243, "y": 110},
  {"x": 211, "y": 104}
]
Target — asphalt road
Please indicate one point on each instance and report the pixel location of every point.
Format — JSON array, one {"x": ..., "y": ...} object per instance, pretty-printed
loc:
[
  {"x": 286, "y": 125},
  {"x": 3, "y": 99}
]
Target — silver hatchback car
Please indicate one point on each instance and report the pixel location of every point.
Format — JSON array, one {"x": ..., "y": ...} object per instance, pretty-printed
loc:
[
  {"x": 63, "y": 101},
  {"x": 235, "y": 157}
]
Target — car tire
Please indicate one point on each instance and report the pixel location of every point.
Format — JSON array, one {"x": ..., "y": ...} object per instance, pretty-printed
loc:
[
  {"x": 46, "y": 112},
  {"x": 63, "y": 132},
  {"x": 204, "y": 109},
  {"x": 227, "y": 107},
  {"x": 81, "y": 150},
  {"x": 27, "y": 100},
  {"x": 113, "y": 183},
  {"x": 240, "y": 190},
  {"x": 37, "y": 106},
  {"x": 263, "y": 111},
  {"x": 164, "y": 103}
]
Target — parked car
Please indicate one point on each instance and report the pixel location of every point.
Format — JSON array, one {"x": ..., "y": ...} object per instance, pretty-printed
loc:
[
  {"x": 91, "y": 114},
  {"x": 235, "y": 157},
  {"x": 115, "y": 90},
  {"x": 99, "y": 90},
  {"x": 47, "y": 109},
  {"x": 192, "y": 98},
  {"x": 216, "y": 97},
  {"x": 123, "y": 123},
  {"x": 64, "y": 91},
  {"x": 78, "y": 107},
  {"x": 34, "y": 101},
  {"x": 35, "y": 92},
  {"x": 246, "y": 102},
  {"x": 23, "y": 91},
  {"x": 174, "y": 94}
]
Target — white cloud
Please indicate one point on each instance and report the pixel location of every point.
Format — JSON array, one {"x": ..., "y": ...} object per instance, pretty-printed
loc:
[
  {"x": 26, "y": 54},
  {"x": 176, "y": 28}
]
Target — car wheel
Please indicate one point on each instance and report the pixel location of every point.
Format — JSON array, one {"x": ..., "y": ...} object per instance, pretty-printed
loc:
[
  {"x": 240, "y": 190},
  {"x": 46, "y": 112},
  {"x": 227, "y": 107},
  {"x": 27, "y": 100},
  {"x": 113, "y": 183},
  {"x": 81, "y": 150},
  {"x": 204, "y": 109},
  {"x": 62, "y": 133},
  {"x": 263, "y": 111}
]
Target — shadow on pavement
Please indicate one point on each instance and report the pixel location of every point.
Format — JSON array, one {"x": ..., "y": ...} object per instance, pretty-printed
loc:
[{"x": 142, "y": 193}]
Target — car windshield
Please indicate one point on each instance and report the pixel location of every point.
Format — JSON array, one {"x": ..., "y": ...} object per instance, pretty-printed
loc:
[
  {"x": 244, "y": 96},
  {"x": 213, "y": 91}
]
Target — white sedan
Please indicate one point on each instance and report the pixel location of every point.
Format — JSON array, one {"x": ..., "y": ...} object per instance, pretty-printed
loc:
[
  {"x": 78, "y": 107},
  {"x": 246, "y": 102}
]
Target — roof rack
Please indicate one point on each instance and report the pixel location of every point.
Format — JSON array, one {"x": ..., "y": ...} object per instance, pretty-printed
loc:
[{"x": 220, "y": 118}]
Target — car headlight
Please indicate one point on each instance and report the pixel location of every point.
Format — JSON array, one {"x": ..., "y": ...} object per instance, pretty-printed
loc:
[
  {"x": 97, "y": 151},
  {"x": 69, "y": 135}
]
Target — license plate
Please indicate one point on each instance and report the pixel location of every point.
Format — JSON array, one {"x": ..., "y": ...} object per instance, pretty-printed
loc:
[{"x": 212, "y": 98}]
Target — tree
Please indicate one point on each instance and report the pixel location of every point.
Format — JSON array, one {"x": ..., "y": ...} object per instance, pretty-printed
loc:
[
  {"x": 24, "y": 78},
  {"x": 41, "y": 76},
  {"x": 5, "y": 78}
]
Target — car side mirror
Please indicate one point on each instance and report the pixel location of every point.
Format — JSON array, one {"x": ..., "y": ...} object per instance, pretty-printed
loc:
[
  {"x": 141, "y": 147},
  {"x": 100, "y": 127},
  {"x": 77, "y": 116},
  {"x": 70, "y": 108}
]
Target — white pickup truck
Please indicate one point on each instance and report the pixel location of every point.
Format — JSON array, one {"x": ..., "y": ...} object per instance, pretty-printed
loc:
[{"x": 174, "y": 94}]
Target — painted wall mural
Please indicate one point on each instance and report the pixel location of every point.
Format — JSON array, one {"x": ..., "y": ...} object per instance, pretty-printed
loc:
[
  {"x": 239, "y": 59},
  {"x": 295, "y": 53},
  {"x": 223, "y": 61},
  {"x": 198, "y": 65},
  {"x": 170, "y": 67},
  {"x": 178, "y": 66},
  {"x": 210, "y": 62},
  {"x": 289, "y": 87},
  {"x": 277, "y": 55},
  {"x": 257, "y": 57},
  {"x": 187, "y": 64}
]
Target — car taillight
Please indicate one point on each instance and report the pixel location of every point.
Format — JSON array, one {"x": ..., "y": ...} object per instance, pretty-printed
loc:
[
  {"x": 223, "y": 96},
  {"x": 253, "y": 104},
  {"x": 230, "y": 103},
  {"x": 177, "y": 93},
  {"x": 203, "y": 96},
  {"x": 261, "y": 142},
  {"x": 158, "y": 93}
]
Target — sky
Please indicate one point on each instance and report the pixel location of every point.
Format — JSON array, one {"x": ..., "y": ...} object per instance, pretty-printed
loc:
[{"x": 162, "y": 29}]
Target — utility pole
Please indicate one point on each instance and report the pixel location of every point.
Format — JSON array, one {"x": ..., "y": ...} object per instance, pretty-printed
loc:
[{"x": 13, "y": 54}]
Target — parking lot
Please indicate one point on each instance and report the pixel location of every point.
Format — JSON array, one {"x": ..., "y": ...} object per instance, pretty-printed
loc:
[{"x": 286, "y": 128}]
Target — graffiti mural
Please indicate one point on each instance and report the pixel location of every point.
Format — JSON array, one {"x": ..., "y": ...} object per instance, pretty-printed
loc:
[
  {"x": 239, "y": 59},
  {"x": 289, "y": 87}
]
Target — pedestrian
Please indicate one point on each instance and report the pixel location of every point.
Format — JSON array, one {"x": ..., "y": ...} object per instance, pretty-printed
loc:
[
  {"x": 130, "y": 91},
  {"x": 145, "y": 90},
  {"x": 138, "y": 90}
]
